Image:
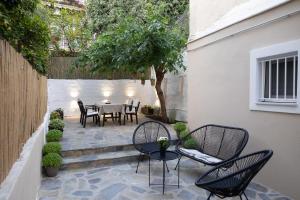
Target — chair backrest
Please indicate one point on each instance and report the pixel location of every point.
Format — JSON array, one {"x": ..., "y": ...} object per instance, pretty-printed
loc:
[
  {"x": 136, "y": 105},
  {"x": 223, "y": 142},
  {"x": 81, "y": 106},
  {"x": 240, "y": 173},
  {"x": 148, "y": 133},
  {"x": 129, "y": 102}
]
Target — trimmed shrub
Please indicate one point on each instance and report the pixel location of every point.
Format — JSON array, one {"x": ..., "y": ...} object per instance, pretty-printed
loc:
[
  {"x": 52, "y": 147},
  {"x": 190, "y": 143},
  {"x": 183, "y": 134},
  {"x": 56, "y": 124},
  {"x": 54, "y": 136},
  {"x": 179, "y": 127},
  {"x": 61, "y": 112},
  {"x": 55, "y": 115},
  {"x": 52, "y": 160}
]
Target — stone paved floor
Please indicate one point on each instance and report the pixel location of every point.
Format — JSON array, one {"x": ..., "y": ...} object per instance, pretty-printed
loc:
[
  {"x": 93, "y": 136},
  {"x": 120, "y": 182}
]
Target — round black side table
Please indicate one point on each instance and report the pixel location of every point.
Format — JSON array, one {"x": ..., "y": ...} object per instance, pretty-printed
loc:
[{"x": 167, "y": 155}]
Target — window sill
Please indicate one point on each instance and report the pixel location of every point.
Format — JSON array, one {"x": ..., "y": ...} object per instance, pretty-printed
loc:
[{"x": 292, "y": 104}]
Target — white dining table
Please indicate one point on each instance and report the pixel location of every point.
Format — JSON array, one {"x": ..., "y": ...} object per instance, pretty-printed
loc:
[{"x": 111, "y": 108}]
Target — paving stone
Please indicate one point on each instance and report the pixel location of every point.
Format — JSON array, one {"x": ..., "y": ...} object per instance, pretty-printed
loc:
[
  {"x": 258, "y": 187},
  {"x": 95, "y": 180},
  {"x": 51, "y": 184},
  {"x": 138, "y": 189},
  {"x": 79, "y": 175},
  {"x": 111, "y": 191},
  {"x": 250, "y": 193},
  {"x": 83, "y": 193},
  {"x": 97, "y": 170},
  {"x": 184, "y": 194},
  {"x": 264, "y": 196},
  {"x": 282, "y": 198}
]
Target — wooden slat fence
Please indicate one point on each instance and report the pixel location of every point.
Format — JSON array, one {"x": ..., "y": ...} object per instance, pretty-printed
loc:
[{"x": 23, "y": 104}]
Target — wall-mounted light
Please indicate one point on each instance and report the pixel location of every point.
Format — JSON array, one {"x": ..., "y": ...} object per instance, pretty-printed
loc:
[
  {"x": 130, "y": 93},
  {"x": 107, "y": 93},
  {"x": 157, "y": 103},
  {"x": 74, "y": 93}
]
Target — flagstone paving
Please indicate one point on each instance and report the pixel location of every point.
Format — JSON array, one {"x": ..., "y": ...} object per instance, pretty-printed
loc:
[
  {"x": 120, "y": 182},
  {"x": 93, "y": 136}
]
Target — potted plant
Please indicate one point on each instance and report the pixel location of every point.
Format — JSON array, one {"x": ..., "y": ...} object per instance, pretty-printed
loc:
[
  {"x": 179, "y": 127},
  {"x": 55, "y": 115},
  {"x": 51, "y": 163},
  {"x": 52, "y": 147},
  {"x": 143, "y": 81},
  {"x": 56, "y": 124},
  {"x": 163, "y": 144},
  {"x": 61, "y": 112},
  {"x": 54, "y": 135},
  {"x": 150, "y": 110}
]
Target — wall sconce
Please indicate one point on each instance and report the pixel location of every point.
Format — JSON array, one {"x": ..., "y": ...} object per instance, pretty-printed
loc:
[{"x": 74, "y": 93}]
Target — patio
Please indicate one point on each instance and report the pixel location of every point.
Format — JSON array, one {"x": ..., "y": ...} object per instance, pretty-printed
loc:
[{"x": 99, "y": 163}]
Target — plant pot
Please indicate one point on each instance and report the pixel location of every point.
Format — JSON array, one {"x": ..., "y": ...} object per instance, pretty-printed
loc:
[
  {"x": 143, "y": 82},
  {"x": 150, "y": 111},
  {"x": 51, "y": 171},
  {"x": 152, "y": 82}
]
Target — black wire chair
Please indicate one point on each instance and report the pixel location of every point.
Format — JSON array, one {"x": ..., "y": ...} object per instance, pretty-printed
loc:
[
  {"x": 224, "y": 181},
  {"x": 145, "y": 138},
  {"x": 215, "y": 144}
]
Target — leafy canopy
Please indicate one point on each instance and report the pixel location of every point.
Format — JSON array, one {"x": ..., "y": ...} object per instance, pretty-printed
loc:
[
  {"x": 25, "y": 29},
  {"x": 136, "y": 44}
]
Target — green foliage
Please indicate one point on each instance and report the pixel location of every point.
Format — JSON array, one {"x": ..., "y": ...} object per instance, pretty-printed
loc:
[
  {"x": 55, "y": 115},
  {"x": 52, "y": 160},
  {"x": 61, "y": 112},
  {"x": 183, "y": 135},
  {"x": 25, "y": 29},
  {"x": 70, "y": 25},
  {"x": 54, "y": 136},
  {"x": 104, "y": 13},
  {"x": 163, "y": 143},
  {"x": 56, "y": 124},
  {"x": 52, "y": 147},
  {"x": 190, "y": 143},
  {"x": 179, "y": 127}
]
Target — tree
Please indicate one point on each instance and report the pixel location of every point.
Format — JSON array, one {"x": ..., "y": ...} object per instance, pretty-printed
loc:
[
  {"x": 104, "y": 13},
  {"x": 136, "y": 44},
  {"x": 24, "y": 28},
  {"x": 71, "y": 26}
]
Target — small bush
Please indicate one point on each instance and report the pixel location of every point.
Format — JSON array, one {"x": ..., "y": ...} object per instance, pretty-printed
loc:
[
  {"x": 179, "y": 127},
  {"x": 61, "y": 112},
  {"x": 52, "y": 147},
  {"x": 190, "y": 143},
  {"x": 54, "y": 136},
  {"x": 183, "y": 134},
  {"x": 52, "y": 160},
  {"x": 55, "y": 115},
  {"x": 56, "y": 124}
]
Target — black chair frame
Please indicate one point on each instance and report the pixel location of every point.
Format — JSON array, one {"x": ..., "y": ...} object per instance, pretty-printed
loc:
[
  {"x": 84, "y": 113},
  {"x": 146, "y": 149},
  {"x": 130, "y": 107},
  {"x": 249, "y": 172},
  {"x": 236, "y": 154}
]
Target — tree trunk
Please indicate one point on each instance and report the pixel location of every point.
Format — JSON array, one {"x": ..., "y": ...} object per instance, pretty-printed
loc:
[{"x": 159, "y": 78}]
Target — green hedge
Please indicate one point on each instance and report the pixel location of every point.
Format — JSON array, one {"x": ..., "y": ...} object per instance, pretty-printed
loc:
[
  {"x": 52, "y": 147},
  {"x": 54, "y": 136},
  {"x": 56, "y": 124},
  {"x": 52, "y": 160}
]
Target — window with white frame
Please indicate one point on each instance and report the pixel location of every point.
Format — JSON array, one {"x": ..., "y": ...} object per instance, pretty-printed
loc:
[
  {"x": 274, "y": 78},
  {"x": 278, "y": 78}
]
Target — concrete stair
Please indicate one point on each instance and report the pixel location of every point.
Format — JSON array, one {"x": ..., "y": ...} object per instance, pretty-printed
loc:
[{"x": 96, "y": 157}]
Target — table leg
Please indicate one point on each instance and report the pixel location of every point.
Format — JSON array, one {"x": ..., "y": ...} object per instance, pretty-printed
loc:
[
  {"x": 149, "y": 171},
  {"x": 164, "y": 166},
  {"x": 178, "y": 173}
]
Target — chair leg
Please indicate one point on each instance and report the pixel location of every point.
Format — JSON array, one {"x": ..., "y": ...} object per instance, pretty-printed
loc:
[
  {"x": 245, "y": 195},
  {"x": 131, "y": 118},
  {"x": 137, "y": 167},
  {"x": 103, "y": 120},
  {"x": 112, "y": 116},
  {"x": 136, "y": 119},
  {"x": 124, "y": 119},
  {"x": 167, "y": 167},
  {"x": 84, "y": 123},
  {"x": 210, "y": 195},
  {"x": 178, "y": 162}
]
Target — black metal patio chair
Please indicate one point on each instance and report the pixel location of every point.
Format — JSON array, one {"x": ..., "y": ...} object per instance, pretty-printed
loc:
[
  {"x": 85, "y": 113},
  {"x": 215, "y": 144},
  {"x": 224, "y": 181},
  {"x": 145, "y": 138},
  {"x": 132, "y": 111}
]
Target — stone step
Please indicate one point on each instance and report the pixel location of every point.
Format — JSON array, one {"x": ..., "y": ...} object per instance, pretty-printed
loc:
[
  {"x": 97, "y": 150},
  {"x": 99, "y": 159}
]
